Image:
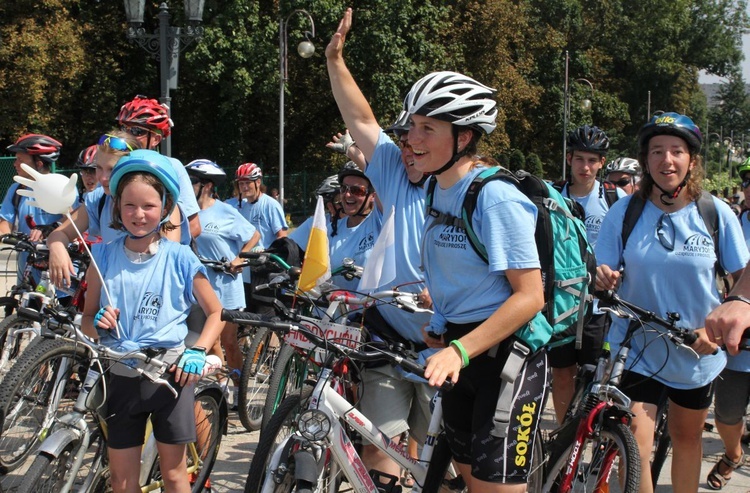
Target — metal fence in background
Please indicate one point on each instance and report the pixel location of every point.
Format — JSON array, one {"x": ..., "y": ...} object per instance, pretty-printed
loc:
[{"x": 299, "y": 188}]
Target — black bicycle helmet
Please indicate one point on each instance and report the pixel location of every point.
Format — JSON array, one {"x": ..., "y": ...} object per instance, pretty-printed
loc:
[
  {"x": 41, "y": 146},
  {"x": 671, "y": 124},
  {"x": 351, "y": 169},
  {"x": 588, "y": 139},
  {"x": 329, "y": 186}
]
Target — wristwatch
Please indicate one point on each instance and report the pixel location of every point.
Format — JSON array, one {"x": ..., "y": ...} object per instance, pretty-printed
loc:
[{"x": 736, "y": 297}]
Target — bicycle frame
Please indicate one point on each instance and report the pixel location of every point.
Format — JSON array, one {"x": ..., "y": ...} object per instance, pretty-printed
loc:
[{"x": 327, "y": 400}]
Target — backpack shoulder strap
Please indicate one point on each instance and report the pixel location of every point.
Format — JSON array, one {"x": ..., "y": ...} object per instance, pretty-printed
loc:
[
  {"x": 16, "y": 200},
  {"x": 100, "y": 206},
  {"x": 632, "y": 214},
  {"x": 707, "y": 210},
  {"x": 610, "y": 192},
  {"x": 470, "y": 203}
]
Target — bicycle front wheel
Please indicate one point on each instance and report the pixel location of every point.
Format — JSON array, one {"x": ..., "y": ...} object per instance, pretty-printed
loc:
[
  {"x": 256, "y": 378},
  {"x": 662, "y": 444},
  {"x": 39, "y": 387},
  {"x": 280, "y": 426},
  {"x": 608, "y": 461},
  {"x": 289, "y": 372},
  {"x": 14, "y": 339}
]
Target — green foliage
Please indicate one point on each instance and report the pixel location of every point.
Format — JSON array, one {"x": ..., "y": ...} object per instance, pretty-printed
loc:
[
  {"x": 534, "y": 165},
  {"x": 517, "y": 160}
]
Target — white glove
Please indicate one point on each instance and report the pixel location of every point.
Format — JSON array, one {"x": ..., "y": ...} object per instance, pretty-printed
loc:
[{"x": 53, "y": 193}]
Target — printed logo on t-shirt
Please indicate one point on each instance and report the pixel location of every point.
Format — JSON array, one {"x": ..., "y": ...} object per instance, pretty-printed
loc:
[
  {"x": 149, "y": 307},
  {"x": 210, "y": 229},
  {"x": 697, "y": 245},
  {"x": 593, "y": 224},
  {"x": 366, "y": 243},
  {"x": 451, "y": 237}
]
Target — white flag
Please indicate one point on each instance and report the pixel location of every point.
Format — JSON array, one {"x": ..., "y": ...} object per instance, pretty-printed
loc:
[
  {"x": 316, "y": 267},
  {"x": 380, "y": 268}
]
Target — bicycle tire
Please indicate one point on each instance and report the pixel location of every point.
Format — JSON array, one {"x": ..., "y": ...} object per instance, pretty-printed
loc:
[
  {"x": 215, "y": 418},
  {"x": 612, "y": 435},
  {"x": 27, "y": 392},
  {"x": 8, "y": 355},
  {"x": 662, "y": 445},
  {"x": 288, "y": 375},
  {"x": 281, "y": 425},
  {"x": 255, "y": 379},
  {"x": 48, "y": 474}
]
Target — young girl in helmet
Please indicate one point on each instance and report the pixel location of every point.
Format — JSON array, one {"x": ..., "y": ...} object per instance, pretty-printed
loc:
[
  {"x": 478, "y": 306},
  {"x": 152, "y": 282},
  {"x": 668, "y": 265}
]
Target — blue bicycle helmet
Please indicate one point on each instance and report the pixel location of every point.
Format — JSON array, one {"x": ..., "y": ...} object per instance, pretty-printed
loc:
[
  {"x": 671, "y": 124},
  {"x": 151, "y": 162}
]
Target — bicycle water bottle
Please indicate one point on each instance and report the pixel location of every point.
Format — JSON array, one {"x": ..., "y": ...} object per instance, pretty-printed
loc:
[{"x": 44, "y": 283}]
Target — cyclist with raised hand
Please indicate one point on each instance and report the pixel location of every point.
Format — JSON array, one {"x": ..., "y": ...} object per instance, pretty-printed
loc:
[
  {"x": 148, "y": 122},
  {"x": 152, "y": 283},
  {"x": 586, "y": 154},
  {"x": 263, "y": 212},
  {"x": 391, "y": 401},
  {"x": 624, "y": 173},
  {"x": 668, "y": 264},
  {"x": 87, "y": 169},
  {"x": 225, "y": 234}
]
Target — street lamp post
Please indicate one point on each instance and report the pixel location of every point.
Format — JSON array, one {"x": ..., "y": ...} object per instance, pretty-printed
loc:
[
  {"x": 165, "y": 44},
  {"x": 585, "y": 105},
  {"x": 305, "y": 50}
]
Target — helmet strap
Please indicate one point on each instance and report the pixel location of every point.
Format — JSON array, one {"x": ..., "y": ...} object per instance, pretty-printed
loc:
[
  {"x": 456, "y": 154},
  {"x": 666, "y": 196}
]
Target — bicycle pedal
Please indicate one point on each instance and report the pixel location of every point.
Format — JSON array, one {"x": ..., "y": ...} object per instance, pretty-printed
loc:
[{"x": 386, "y": 483}]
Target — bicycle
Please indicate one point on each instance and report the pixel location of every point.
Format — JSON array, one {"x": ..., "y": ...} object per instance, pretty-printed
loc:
[
  {"x": 63, "y": 461},
  {"x": 318, "y": 453}
]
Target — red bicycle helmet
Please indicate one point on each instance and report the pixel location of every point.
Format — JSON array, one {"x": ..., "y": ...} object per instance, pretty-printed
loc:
[
  {"x": 86, "y": 158},
  {"x": 42, "y": 146},
  {"x": 146, "y": 113},
  {"x": 248, "y": 171}
]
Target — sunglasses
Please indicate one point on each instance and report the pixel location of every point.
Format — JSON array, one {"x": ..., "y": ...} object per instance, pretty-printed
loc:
[
  {"x": 746, "y": 183},
  {"x": 355, "y": 190},
  {"x": 623, "y": 182},
  {"x": 134, "y": 131},
  {"x": 665, "y": 232},
  {"x": 115, "y": 143},
  {"x": 404, "y": 144}
]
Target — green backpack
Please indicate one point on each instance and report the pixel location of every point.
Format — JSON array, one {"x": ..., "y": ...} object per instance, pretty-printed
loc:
[{"x": 567, "y": 260}]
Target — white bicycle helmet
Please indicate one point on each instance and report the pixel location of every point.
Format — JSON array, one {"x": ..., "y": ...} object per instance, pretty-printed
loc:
[
  {"x": 205, "y": 169},
  {"x": 454, "y": 98},
  {"x": 624, "y": 165}
]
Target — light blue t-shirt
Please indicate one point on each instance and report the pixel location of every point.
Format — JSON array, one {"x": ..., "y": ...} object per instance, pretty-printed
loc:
[
  {"x": 154, "y": 297},
  {"x": 596, "y": 207},
  {"x": 224, "y": 233},
  {"x": 355, "y": 243},
  {"x": 99, "y": 223},
  {"x": 463, "y": 287},
  {"x": 19, "y": 217},
  {"x": 301, "y": 234},
  {"x": 682, "y": 280},
  {"x": 389, "y": 179},
  {"x": 266, "y": 215}
]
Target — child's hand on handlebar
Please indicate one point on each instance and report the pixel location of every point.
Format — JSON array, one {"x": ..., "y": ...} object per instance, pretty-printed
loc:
[
  {"x": 443, "y": 365},
  {"x": 189, "y": 367}
]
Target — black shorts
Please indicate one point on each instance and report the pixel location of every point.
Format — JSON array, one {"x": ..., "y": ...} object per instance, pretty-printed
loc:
[
  {"x": 469, "y": 409},
  {"x": 591, "y": 345},
  {"x": 132, "y": 400},
  {"x": 641, "y": 388}
]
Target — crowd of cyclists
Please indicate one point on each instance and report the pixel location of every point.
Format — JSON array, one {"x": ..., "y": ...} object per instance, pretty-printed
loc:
[{"x": 647, "y": 219}]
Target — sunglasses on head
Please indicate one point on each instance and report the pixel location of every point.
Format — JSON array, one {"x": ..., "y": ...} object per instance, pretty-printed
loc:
[
  {"x": 115, "y": 143},
  {"x": 355, "y": 190},
  {"x": 134, "y": 131},
  {"x": 623, "y": 182}
]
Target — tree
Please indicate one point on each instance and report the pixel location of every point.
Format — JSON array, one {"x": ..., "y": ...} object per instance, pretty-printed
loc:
[{"x": 517, "y": 161}]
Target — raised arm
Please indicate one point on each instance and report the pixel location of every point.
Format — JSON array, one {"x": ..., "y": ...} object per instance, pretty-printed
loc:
[{"x": 354, "y": 108}]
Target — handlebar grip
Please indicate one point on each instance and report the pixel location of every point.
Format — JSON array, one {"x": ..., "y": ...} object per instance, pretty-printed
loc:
[
  {"x": 239, "y": 316},
  {"x": 10, "y": 240},
  {"x": 689, "y": 338}
]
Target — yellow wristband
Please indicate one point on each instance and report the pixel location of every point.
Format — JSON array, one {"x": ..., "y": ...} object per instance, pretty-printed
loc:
[{"x": 462, "y": 351}]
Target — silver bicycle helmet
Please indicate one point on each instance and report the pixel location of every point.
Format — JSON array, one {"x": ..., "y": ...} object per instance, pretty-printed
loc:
[{"x": 624, "y": 165}]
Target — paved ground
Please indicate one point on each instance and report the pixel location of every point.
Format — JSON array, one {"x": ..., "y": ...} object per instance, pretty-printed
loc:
[{"x": 238, "y": 446}]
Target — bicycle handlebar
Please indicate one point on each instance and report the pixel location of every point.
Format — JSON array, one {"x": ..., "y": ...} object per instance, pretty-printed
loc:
[{"x": 381, "y": 351}]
